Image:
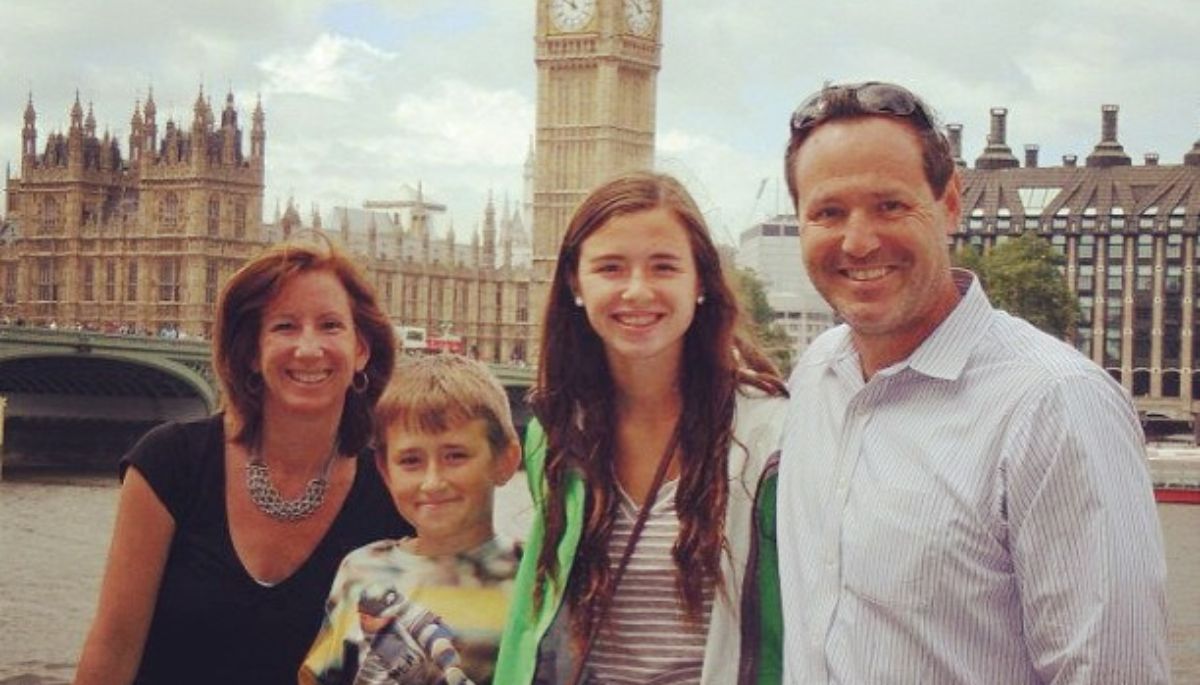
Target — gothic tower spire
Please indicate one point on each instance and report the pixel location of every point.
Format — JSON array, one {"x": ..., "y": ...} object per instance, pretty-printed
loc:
[
  {"x": 229, "y": 114},
  {"x": 258, "y": 133},
  {"x": 231, "y": 137},
  {"x": 77, "y": 113},
  {"x": 75, "y": 137},
  {"x": 489, "y": 233},
  {"x": 150, "y": 129},
  {"x": 29, "y": 135},
  {"x": 135, "y": 133}
]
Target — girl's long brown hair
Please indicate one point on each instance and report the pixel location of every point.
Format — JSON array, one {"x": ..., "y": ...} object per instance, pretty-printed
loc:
[{"x": 574, "y": 400}]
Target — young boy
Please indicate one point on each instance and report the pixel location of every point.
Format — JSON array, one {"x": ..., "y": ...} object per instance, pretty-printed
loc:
[{"x": 428, "y": 609}]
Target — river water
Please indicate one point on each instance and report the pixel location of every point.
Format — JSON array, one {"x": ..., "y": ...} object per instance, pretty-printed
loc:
[{"x": 54, "y": 532}]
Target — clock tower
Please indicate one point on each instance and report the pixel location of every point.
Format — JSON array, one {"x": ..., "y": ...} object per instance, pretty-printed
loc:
[{"x": 597, "y": 64}]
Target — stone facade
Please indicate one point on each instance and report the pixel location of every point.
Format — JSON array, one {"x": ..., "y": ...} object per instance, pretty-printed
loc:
[
  {"x": 476, "y": 293},
  {"x": 1130, "y": 234},
  {"x": 144, "y": 244},
  {"x": 138, "y": 244}
]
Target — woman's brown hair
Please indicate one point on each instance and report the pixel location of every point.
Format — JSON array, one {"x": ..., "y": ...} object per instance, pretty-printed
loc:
[
  {"x": 574, "y": 401},
  {"x": 239, "y": 322}
]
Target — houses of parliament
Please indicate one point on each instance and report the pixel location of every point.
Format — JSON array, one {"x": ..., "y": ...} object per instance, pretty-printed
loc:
[{"x": 142, "y": 244}]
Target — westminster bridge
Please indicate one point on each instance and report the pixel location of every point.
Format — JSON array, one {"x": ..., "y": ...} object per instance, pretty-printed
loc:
[{"x": 80, "y": 398}]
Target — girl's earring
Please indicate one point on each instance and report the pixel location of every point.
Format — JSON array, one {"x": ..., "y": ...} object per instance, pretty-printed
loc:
[
  {"x": 578, "y": 301},
  {"x": 700, "y": 300}
]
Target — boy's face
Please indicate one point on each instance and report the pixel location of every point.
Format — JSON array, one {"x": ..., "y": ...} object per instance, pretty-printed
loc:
[{"x": 443, "y": 483}]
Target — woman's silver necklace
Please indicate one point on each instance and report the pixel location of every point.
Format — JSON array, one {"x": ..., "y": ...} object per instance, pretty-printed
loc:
[{"x": 270, "y": 502}]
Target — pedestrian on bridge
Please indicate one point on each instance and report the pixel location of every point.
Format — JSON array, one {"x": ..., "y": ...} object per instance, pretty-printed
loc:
[{"x": 230, "y": 529}]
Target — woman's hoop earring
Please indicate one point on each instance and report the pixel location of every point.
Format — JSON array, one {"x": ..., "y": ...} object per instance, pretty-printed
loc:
[
  {"x": 361, "y": 382},
  {"x": 253, "y": 384}
]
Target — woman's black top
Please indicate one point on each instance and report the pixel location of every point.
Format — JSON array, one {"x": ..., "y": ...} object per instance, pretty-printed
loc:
[{"x": 213, "y": 622}]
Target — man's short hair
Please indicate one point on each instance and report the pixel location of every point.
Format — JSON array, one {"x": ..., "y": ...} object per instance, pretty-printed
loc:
[
  {"x": 837, "y": 102},
  {"x": 435, "y": 393}
]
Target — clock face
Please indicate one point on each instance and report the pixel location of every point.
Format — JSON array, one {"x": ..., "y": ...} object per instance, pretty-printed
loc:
[
  {"x": 572, "y": 15},
  {"x": 639, "y": 16}
]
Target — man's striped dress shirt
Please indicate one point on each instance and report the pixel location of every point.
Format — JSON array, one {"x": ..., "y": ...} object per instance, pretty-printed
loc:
[{"x": 979, "y": 512}]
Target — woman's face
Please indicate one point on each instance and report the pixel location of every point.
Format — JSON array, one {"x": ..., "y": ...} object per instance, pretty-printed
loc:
[
  {"x": 308, "y": 347},
  {"x": 638, "y": 280}
]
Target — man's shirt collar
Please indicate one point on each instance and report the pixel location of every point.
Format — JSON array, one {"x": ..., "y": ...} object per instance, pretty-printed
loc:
[{"x": 945, "y": 352}]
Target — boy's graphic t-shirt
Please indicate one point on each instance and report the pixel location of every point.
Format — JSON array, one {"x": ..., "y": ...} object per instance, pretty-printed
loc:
[{"x": 403, "y": 619}]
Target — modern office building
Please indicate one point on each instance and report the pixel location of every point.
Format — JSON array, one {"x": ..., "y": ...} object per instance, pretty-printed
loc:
[
  {"x": 1129, "y": 233},
  {"x": 772, "y": 250}
]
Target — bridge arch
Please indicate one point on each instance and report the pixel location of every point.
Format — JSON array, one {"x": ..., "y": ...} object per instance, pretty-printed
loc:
[
  {"x": 104, "y": 374},
  {"x": 83, "y": 396}
]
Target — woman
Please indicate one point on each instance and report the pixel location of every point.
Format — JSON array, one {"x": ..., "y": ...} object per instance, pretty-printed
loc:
[
  {"x": 229, "y": 530},
  {"x": 645, "y": 384}
]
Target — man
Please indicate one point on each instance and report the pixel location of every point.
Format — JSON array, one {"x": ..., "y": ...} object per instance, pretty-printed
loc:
[{"x": 963, "y": 499}]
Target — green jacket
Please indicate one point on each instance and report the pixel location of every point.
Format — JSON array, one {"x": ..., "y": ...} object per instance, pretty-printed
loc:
[{"x": 747, "y": 624}]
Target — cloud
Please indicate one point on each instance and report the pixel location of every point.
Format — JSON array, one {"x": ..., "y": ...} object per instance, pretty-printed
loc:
[
  {"x": 333, "y": 67},
  {"x": 456, "y": 123},
  {"x": 724, "y": 180},
  {"x": 363, "y": 95}
]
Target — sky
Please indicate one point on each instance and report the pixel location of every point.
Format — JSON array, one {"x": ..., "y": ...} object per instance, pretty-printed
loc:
[{"x": 362, "y": 97}]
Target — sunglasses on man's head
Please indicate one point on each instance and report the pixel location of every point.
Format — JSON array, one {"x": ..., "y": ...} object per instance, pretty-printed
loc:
[{"x": 874, "y": 97}]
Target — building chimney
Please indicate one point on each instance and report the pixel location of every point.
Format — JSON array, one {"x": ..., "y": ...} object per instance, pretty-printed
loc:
[
  {"x": 1031, "y": 156},
  {"x": 1108, "y": 152},
  {"x": 1192, "y": 158},
  {"x": 997, "y": 154},
  {"x": 954, "y": 137},
  {"x": 1070, "y": 161},
  {"x": 1151, "y": 159},
  {"x": 1108, "y": 124}
]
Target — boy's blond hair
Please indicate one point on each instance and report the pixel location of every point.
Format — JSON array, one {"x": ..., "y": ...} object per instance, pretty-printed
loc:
[{"x": 431, "y": 394}]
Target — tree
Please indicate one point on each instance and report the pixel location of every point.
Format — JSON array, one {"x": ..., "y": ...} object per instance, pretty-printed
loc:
[
  {"x": 770, "y": 335},
  {"x": 1024, "y": 277}
]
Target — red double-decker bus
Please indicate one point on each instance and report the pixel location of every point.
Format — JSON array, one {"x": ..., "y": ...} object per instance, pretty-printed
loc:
[{"x": 450, "y": 343}]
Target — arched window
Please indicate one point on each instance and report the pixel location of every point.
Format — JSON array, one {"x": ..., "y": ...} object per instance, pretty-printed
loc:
[
  {"x": 168, "y": 279},
  {"x": 89, "y": 281},
  {"x": 1088, "y": 222},
  {"x": 170, "y": 212},
  {"x": 1003, "y": 219},
  {"x": 975, "y": 222},
  {"x": 1061, "y": 219},
  {"x": 1175, "y": 221},
  {"x": 131, "y": 282},
  {"x": 1116, "y": 218},
  {"x": 51, "y": 215},
  {"x": 211, "y": 280},
  {"x": 239, "y": 219},
  {"x": 47, "y": 284},
  {"x": 214, "y": 215},
  {"x": 1149, "y": 215}
]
